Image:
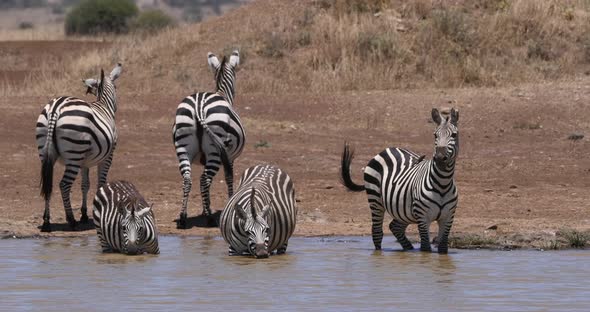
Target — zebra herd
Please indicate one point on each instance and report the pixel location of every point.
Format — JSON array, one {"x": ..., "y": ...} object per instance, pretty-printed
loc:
[{"x": 260, "y": 217}]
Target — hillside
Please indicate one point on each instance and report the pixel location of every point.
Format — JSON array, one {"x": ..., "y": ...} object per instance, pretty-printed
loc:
[{"x": 343, "y": 45}]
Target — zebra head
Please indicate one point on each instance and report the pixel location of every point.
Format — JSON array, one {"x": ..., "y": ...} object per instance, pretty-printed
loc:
[
  {"x": 225, "y": 73},
  {"x": 104, "y": 88},
  {"x": 446, "y": 138},
  {"x": 133, "y": 227},
  {"x": 255, "y": 226}
]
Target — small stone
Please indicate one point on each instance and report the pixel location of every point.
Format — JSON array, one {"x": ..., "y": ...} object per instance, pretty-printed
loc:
[
  {"x": 575, "y": 136},
  {"x": 329, "y": 187},
  {"x": 492, "y": 227},
  {"x": 488, "y": 190},
  {"x": 513, "y": 186}
]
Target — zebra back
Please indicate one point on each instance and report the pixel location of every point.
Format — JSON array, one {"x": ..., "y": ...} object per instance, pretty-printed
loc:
[
  {"x": 266, "y": 196},
  {"x": 112, "y": 204}
]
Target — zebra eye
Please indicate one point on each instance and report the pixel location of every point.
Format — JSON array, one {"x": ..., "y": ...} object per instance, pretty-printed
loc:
[{"x": 454, "y": 135}]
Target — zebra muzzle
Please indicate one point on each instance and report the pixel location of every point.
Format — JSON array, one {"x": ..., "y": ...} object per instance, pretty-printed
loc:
[{"x": 260, "y": 251}]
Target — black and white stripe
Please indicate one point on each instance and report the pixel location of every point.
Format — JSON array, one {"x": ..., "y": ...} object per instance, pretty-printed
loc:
[
  {"x": 260, "y": 217},
  {"x": 80, "y": 135},
  {"x": 124, "y": 221},
  {"x": 412, "y": 190},
  {"x": 205, "y": 124}
]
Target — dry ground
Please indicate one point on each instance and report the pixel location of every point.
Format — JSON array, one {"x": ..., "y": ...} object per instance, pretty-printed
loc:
[{"x": 516, "y": 170}]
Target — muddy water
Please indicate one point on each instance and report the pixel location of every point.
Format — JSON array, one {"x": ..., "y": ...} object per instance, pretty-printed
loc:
[{"x": 342, "y": 274}]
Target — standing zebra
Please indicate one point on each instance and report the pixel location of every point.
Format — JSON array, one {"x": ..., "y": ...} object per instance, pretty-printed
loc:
[
  {"x": 124, "y": 222},
  {"x": 260, "y": 217},
  {"x": 206, "y": 124},
  {"x": 410, "y": 189},
  {"x": 80, "y": 135}
]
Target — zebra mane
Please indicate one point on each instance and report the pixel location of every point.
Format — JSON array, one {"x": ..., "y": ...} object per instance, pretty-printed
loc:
[
  {"x": 100, "y": 85},
  {"x": 219, "y": 75},
  {"x": 252, "y": 198}
]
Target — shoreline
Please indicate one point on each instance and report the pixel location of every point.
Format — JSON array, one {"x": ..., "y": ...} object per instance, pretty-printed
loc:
[{"x": 564, "y": 240}]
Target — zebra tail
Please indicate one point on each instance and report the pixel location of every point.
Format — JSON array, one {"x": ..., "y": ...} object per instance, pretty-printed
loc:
[
  {"x": 345, "y": 178},
  {"x": 225, "y": 161},
  {"x": 48, "y": 160}
]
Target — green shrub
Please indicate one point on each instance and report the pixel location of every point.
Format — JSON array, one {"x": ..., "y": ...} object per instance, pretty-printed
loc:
[
  {"x": 100, "y": 16},
  {"x": 152, "y": 20}
]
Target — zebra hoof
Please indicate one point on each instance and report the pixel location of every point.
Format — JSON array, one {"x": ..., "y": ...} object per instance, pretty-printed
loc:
[
  {"x": 73, "y": 225},
  {"x": 181, "y": 223},
  {"x": 84, "y": 219},
  {"x": 407, "y": 248},
  {"x": 46, "y": 227}
]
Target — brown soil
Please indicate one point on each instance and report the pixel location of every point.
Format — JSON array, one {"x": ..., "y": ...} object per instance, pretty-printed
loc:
[{"x": 517, "y": 169}]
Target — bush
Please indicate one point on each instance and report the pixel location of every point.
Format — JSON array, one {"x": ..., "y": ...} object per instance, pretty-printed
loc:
[
  {"x": 100, "y": 16},
  {"x": 26, "y": 25},
  {"x": 152, "y": 20}
]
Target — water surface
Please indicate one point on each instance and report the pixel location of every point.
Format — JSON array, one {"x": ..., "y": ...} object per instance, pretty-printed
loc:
[{"x": 336, "y": 273}]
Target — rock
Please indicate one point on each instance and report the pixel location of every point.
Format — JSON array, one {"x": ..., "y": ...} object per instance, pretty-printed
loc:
[
  {"x": 575, "y": 136},
  {"x": 492, "y": 227},
  {"x": 488, "y": 190},
  {"x": 513, "y": 186}
]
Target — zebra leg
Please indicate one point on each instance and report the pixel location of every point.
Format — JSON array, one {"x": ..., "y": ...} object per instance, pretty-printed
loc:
[
  {"x": 66, "y": 186},
  {"x": 377, "y": 214},
  {"x": 423, "y": 229},
  {"x": 233, "y": 252},
  {"x": 281, "y": 250},
  {"x": 399, "y": 231},
  {"x": 85, "y": 188},
  {"x": 229, "y": 179},
  {"x": 187, "y": 184},
  {"x": 103, "y": 169},
  {"x": 206, "y": 178},
  {"x": 444, "y": 228},
  {"x": 46, "y": 227}
]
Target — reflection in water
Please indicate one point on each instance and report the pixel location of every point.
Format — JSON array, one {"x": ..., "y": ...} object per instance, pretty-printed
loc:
[{"x": 335, "y": 273}]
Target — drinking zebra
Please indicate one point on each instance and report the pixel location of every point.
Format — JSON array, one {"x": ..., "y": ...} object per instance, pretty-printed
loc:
[
  {"x": 124, "y": 221},
  {"x": 260, "y": 217},
  {"x": 80, "y": 135},
  {"x": 203, "y": 120},
  {"x": 410, "y": 189}
]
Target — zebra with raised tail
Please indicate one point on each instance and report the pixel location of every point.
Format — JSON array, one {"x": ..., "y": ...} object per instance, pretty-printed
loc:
[
  {"x": 205, "y": 126},
  {"x": 124, "y": 221},
  {"x": 261, "y": 216},
  {"x": 412, "y": 190},
  {"x": 81, "y": 135}
]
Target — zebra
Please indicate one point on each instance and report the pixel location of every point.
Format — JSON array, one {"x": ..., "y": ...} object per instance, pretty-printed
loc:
[
  {"x": 260, "y": 217},
  {"x": 124, "y": 222},
  {"x": 80, "y": 135},
  {"x": 411, "y": 189},
  {"x": 203, "y": 121}
]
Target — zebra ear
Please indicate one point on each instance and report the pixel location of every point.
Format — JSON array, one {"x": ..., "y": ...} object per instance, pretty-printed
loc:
[
  {"x": 436, "y": 117},
  {"x": 213, "y": 61},
  {"x": 234, "y": 59},
  {"x": 454, "y": 117},
  {"x": 116, "y": 72},
  {"x": 92, "y": 84},
  {"x": 144, "y": 211}
]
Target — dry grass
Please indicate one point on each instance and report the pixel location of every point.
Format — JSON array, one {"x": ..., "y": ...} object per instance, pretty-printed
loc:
[
  {"x": 341, "y": 45},
  {"x": 47, "y": 32}
]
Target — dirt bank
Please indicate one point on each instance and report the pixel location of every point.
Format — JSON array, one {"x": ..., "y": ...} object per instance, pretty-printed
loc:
[{"x": 517, "y": 169}]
